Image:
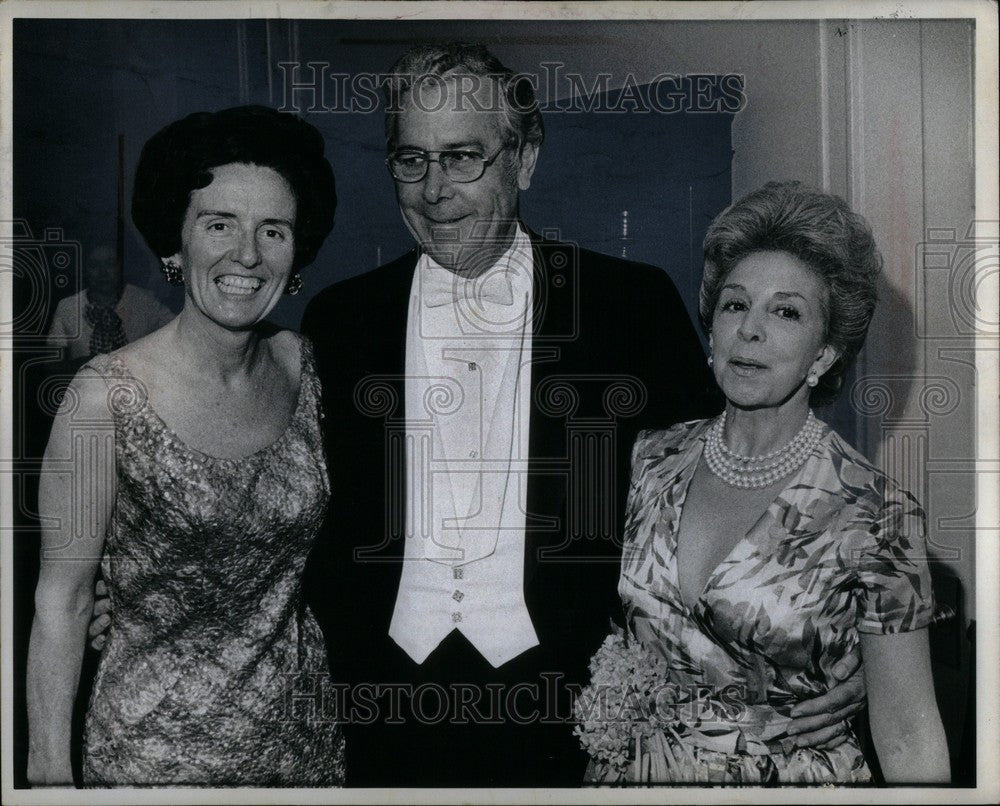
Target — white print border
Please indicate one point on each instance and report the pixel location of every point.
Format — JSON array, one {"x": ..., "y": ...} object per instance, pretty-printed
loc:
[{"x": 986, "y": 355}]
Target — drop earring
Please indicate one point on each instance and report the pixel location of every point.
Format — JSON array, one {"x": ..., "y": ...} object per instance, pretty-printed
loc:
[{"x": 172, "y": 272}]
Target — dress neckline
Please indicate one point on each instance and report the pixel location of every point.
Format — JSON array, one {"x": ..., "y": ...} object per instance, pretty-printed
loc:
[
  {"x": 175, "y": 439},
  {"x": 682, "y": 483}
]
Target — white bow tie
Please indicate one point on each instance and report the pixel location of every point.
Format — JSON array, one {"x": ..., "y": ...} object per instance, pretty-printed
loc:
[{"x": 441, "y": 287}]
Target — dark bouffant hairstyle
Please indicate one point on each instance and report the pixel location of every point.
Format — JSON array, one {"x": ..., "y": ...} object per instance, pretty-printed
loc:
[
  {"x": 522, "y": 118},
  {"x": 820, "y": 230},
  {"x": 179, "y": 159}
]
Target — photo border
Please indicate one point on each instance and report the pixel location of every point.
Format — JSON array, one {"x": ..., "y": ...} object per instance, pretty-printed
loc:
[{"x": 987, "y": 558}]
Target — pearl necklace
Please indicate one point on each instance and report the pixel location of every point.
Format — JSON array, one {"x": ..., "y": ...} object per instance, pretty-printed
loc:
[{"x": 751, "y": 472}]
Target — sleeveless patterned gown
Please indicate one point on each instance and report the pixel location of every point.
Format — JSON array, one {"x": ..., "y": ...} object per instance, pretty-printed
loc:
[{"x": 214, "y": 672}]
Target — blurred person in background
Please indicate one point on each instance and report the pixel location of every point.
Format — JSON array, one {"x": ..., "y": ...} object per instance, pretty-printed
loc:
[{"x": 108, "y": 313}]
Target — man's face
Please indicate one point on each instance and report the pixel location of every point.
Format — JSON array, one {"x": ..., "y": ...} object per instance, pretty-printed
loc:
[
  {"x": 103, "y": 275},
  {"x": 465, "y": 227}
]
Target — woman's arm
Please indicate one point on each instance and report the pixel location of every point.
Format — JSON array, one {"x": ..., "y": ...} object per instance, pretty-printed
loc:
[
  {"x": 905, "y": 723},
  {"x": 75, "y": 499}
]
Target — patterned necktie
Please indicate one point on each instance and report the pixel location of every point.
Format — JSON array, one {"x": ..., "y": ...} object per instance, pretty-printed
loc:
[{"x": 109, "y": 333}]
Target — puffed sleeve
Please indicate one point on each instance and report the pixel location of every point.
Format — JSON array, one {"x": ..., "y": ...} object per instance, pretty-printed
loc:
[
  {"x": 638, "y": 520},
  {"x": 657, "y": 459},
  {"x": 890, "y": 548},
  {"x": 634, "y": 503}
]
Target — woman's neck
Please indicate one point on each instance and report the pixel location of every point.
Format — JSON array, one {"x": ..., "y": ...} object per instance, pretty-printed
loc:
[
  {"x": 755, "y": 432},
  {"x": 224, "y": 354}
]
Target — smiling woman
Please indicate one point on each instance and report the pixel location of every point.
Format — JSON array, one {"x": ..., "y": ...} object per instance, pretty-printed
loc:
[
  {"x": 238, "y": 244},
  {"x": 200, "y": 485}
]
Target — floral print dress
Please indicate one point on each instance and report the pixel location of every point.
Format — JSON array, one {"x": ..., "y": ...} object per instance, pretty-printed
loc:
[{"x": 840, "y": 551}]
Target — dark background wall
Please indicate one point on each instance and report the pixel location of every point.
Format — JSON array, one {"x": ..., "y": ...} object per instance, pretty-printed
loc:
[{"x": 79, "y": 85}]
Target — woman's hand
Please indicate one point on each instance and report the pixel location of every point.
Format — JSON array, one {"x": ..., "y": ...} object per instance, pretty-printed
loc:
[
  {"x": 823, "y": 722},
  {"x": 101, "y": 617}
]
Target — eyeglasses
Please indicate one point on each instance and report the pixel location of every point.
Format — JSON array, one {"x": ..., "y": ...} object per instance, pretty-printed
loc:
[{"x": 410, "y": 164}]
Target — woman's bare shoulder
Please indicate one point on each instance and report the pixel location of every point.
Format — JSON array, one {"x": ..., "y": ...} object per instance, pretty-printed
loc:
[
  {"x": 286, "y": 349},
  {"x": 148, "y": 353}
]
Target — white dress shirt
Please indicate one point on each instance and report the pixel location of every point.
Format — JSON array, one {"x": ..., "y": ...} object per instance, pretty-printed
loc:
[{"x": 467, "y": 401}]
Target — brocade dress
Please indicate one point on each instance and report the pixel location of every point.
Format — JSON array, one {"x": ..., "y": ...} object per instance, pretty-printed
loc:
[
  {"x": 839, "y": 552},
  {"x": 214, "y": 672}
]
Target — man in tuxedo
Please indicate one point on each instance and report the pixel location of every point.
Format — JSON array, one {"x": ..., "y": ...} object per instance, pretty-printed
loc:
[{"x": 481, "y": 397}]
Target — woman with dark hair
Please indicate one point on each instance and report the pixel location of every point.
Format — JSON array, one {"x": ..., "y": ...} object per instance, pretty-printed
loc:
[
  {"x": 761, "y": 550},
  {"x": 189, "y": 465}
]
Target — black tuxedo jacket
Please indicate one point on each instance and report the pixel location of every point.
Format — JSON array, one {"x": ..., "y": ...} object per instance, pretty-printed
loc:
[{"x": 613, "y": 351}]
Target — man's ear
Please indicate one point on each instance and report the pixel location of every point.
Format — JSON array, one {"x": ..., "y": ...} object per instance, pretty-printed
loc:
[{"x": 526, "y": 165}]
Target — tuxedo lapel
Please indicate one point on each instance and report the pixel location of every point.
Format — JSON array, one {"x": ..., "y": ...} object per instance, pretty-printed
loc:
[
  {"x": 358, "y": 329},
  {"x": 396, "y": 369},
  {"x": 390, "y": 329},
  {"x": 380, "y": 388},
  {"x": 554, "y": 330}
]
